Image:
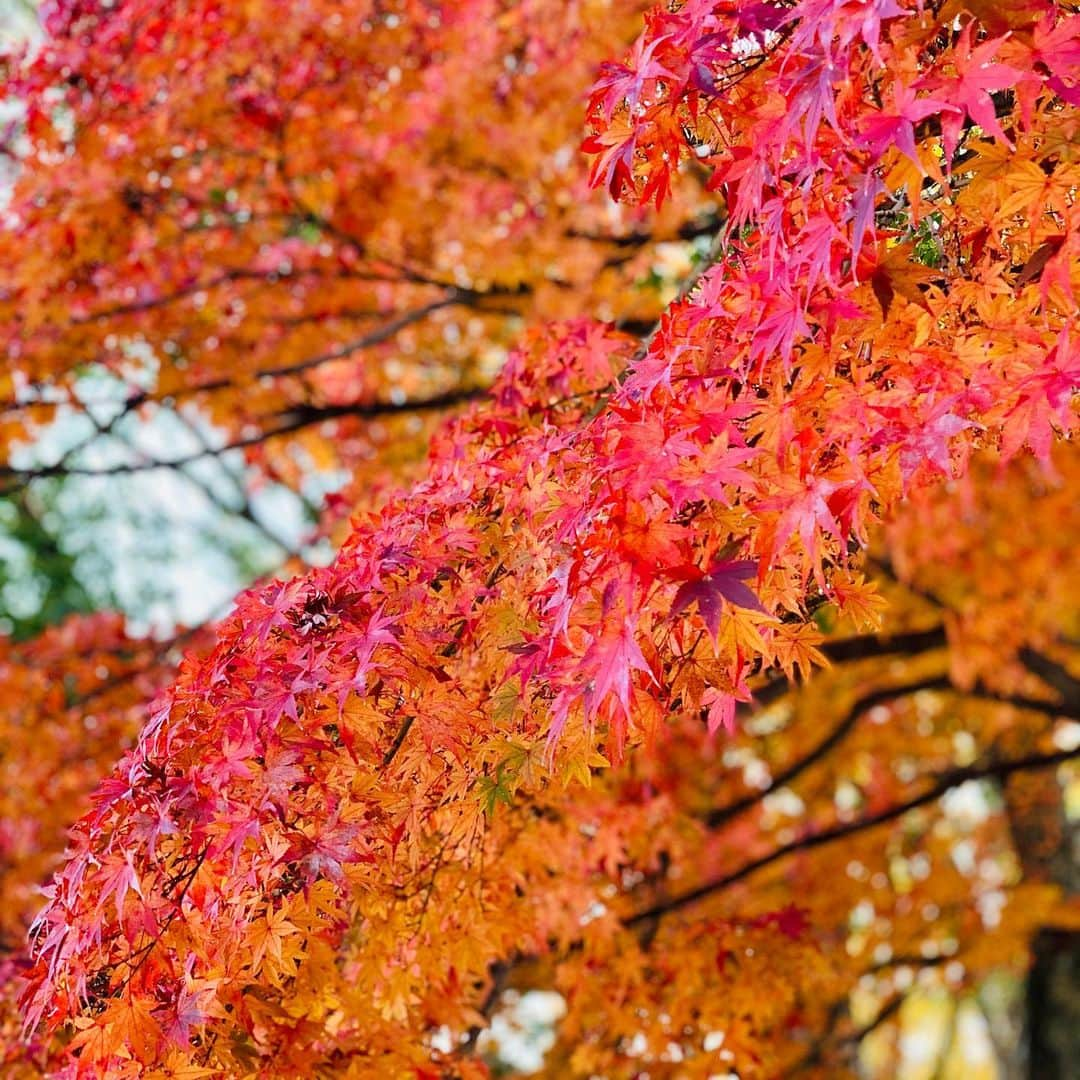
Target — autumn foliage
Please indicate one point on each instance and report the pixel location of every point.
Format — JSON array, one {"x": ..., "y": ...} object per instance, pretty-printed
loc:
[{"x": 548, "y": 718}]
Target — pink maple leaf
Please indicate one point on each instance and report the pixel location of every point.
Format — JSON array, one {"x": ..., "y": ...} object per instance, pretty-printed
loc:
[
  {"x": 614, "y": 656},
  {"x": 620, "y": 83},
  {"x": 977, "y": 78},
  {"x": 896, "y": 125}
]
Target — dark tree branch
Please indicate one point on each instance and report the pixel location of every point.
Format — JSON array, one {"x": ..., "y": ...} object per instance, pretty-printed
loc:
[
  {"x": 242, "y": 508},
  {"x": 865, "y": 647},
  {"x": 689, "y": 230},
  {"x": 796, "y": 768},
  {"x": 941, "y": 784},
  {"x": 477, "y": 299},
  {"x": 288, "y": 422},
  {"x": 499, "y": 975},
  {"x": 1053, "y": 674},
  {"x": 870, "y": 645},
  {"x": 399, "y": 739},
  {"x": 226, "y": 277},
  {"x": 375, "y": 337},
  {"x": 647, "y": 919},
  {"x": 816, "y": 1054}
]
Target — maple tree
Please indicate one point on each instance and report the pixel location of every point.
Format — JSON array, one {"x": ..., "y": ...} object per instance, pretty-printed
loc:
[{"x": 543, "y": 721}]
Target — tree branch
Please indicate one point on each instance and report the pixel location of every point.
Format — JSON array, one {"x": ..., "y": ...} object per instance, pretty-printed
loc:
[
  {"x": 909, "y": 643},
  {"x": 366, "y": 341},
  {"x": 941, "y": 784},
  {"x": 689, "y": 230},
  {"x": 290, "y": 421},
  {"x": 815, "y": 1054},
  {"x": 864, "y": 647},
  {"x": 796, "y": 768},
  {"x": 1053, "y": 674},
  {"x": 452, "y": 296}
]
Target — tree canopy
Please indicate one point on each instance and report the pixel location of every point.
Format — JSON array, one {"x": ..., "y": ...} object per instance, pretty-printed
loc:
[{"x": 802, "y": 399}]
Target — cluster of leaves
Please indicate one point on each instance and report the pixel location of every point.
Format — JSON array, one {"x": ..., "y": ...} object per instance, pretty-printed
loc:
[
  {"x": 700, "y": 865},
  {"x": 294, "y": 219},
  {"x": 73, "y": 698},
  {"x": 334, "y": 839}
]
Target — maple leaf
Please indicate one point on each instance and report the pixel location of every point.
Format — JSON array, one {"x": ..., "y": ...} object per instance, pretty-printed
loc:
[
  {"x": 118, "y": 878},
  {"x": 496, "y": 789},
  {"x": 1056, "y": 44},
  {"x": 931, "y": 442},
  {"x": 783, "y": 321},
  {"x": 721, "y": 706},
  {"x": 896, "y": 127},
  {"x": 281, "y": 772},
  {"x": 650, "y": 543},
  {"x": 612, "y": 658},
  {"x": 723, "y": 584},
  {"x": 625, "y": 83},
  {"x": 896, "y": 273},
  {"x": 195, "y": 1004},
  {"x": 1045, "y": 402},
  {"x": 790, "y": 920},
  {"x": 977, "y": 78},
  {"x": 805, "y": 510},
  {"x": 863, "y": 205},
  {"x": 269, "y": 935},
  {"x": 615, "y": 148},
  {"x": 1033, "y": 269}
]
